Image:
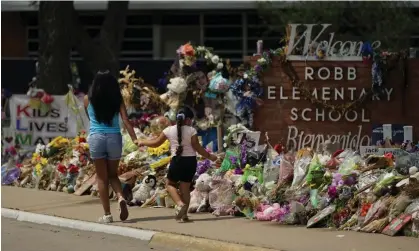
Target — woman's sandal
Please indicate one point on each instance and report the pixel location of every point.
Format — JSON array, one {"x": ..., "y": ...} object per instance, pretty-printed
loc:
[{"x": 123, "y": 209}]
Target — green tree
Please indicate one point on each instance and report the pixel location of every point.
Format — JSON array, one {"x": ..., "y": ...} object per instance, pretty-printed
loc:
[{"x": 390, "y": 22}]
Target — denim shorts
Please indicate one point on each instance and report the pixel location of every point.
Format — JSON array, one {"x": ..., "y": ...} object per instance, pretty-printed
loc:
[{"x": 105, "y": 146}]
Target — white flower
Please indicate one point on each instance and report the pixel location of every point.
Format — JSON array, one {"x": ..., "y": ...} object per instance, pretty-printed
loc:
[
  {"x": 220, "y": 66},
  {"x": 177, "y": 85},
  {"x": 181, "y": 63},
  {"x": 215, "y": 59},
  {"x": 208, "y": 55},
  {"x": 225, "y": 145},
  {"x": 261, "y": 60},
  {"x": 39, "y": 148},
  {"x": 245, "y": 76},
  {"x": 201, "y": 48},
  {"x": 225, "y": 137}
]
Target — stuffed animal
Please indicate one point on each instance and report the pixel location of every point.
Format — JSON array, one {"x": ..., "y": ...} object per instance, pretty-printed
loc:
[
  {"x": 200, "y": 195},
  {"x": 266, "y": 212},
  {"x": 172, "y": 97},
  {"x": 221, "y": 196},
  {"x": 143, "y": 191}
]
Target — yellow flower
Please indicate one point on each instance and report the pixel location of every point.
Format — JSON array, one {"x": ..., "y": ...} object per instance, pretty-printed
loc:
[
  {"x": 160, "y": 163},
  {"x": 38, "y": 169},
  {"x": 35, "y": 155},
  {"x": 164, "y": 148},
  {"x": 44, "y": 161}
]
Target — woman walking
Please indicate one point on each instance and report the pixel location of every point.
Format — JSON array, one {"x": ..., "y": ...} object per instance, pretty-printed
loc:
[
  {"x": 184, "y": 144},
  {"x": 104, "y": 105}
]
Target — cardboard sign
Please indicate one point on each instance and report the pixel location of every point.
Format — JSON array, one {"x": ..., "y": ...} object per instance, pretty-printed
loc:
[
  {"x": 31, "y": 126},
  {"x": 395, "y": 151},
  {"x": 368, "y": 150},
  {"x": 321, "y": 215},
  {"x": 397, "y": 224},
  {"x": 86, "y": 186}
]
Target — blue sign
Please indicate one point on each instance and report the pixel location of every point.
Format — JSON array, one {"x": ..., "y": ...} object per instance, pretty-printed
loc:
[{"x": 397, "y": 132}]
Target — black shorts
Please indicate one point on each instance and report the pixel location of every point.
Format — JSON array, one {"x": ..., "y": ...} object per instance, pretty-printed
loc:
[{"x": 182, "y": 169}]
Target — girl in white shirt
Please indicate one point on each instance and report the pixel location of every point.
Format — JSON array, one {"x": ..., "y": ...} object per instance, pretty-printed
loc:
[{"x": 183, "y": 145}]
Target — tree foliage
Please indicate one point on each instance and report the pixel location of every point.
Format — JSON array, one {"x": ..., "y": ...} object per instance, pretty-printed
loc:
[{"x": 390, "y": 22}]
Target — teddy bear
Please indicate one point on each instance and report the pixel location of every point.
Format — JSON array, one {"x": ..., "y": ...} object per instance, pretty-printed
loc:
[
  {"x": 266, "y": 212},
  {"x": 172, "y": 97},
  {"x": 144, "y": 190},
  {"x": 221, "y": 196},
  {"x": 200, "y": 195}
]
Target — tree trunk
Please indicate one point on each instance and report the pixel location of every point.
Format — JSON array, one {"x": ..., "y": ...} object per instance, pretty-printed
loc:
[
  {"x": 102, "y": 54},
  {"x": 54, "y": 47}
]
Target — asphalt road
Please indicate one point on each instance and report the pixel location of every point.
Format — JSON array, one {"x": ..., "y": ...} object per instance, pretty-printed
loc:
[{"x": 24, "y": 236}]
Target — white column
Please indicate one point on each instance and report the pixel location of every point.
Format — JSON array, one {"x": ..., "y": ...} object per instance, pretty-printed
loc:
[
  {"x": 387, "y": 132},
  {"x": 408, "y": 133}
]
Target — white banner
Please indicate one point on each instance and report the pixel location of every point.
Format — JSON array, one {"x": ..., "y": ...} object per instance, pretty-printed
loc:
[{"x": 29, "y": 126}]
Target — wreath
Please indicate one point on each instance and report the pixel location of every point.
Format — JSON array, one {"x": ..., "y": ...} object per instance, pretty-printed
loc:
[{"x": 382, "y": 64}]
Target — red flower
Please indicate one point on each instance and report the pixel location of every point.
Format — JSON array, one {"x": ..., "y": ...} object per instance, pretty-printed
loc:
[
  {"x": 19, "y": 165},
  {"x": 82, "y": 140},
  {"x": 47, "y": 99},
  {"x": 61, "y": 168},
  {"x": 73, "y": 169},
  {"x": 364, "y": 209}
]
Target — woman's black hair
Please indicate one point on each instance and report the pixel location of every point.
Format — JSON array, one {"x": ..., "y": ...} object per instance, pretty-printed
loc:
[
  {"x": 105, "y": 97},
  {"x": 182, "y": 114}
]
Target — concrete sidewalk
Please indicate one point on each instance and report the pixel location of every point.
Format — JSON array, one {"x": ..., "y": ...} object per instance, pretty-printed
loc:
[{"x": 229, "y": 229}]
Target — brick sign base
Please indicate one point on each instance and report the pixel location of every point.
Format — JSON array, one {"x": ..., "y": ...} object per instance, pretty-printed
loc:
[{"x": 276, "y": 116}]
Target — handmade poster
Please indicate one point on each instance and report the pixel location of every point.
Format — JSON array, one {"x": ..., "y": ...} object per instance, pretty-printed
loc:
[
  {"x": 252, "y": 139},
  {"x": 321, "y": 215},
  {"x": 31, "y": 126},
  {"x": 397, "y": 224}
]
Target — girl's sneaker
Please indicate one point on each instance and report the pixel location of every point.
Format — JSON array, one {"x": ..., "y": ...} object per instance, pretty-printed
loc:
[
  {"x": 123, "y": 209},
  {"x": 185, "y": 219},
  {"x": 180, "y": 211},
  {"x": 106, "y": 219}
]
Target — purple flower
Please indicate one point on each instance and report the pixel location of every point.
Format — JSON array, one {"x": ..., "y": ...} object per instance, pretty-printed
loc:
[
  {"x": 238, "y": 171},
  {"x": 258, "y": 68},
  {"x": 332, "y": 192},
  {"x": 243, "y": 154},
  {"x": 203, "y": 166},
  {"x": 233, "y": 160}
]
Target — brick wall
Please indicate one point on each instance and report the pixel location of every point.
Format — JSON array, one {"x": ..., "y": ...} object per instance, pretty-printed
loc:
[
  {"x": 274, "y": 115},
  {"x": 13, "y": 34}
]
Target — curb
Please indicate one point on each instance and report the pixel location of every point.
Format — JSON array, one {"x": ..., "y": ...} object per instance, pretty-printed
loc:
[
  {"x": 187, "y": 243},
  {"x": 143, "y": 235},
  {"x": 155, "y": 239}
]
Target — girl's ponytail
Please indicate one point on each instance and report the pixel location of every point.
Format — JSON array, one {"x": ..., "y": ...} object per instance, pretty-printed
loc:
[{"x": 180, "y": 119}]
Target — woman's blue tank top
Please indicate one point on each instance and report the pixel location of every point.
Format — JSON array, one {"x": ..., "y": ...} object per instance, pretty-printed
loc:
[{"x": 96, "y": 127}]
